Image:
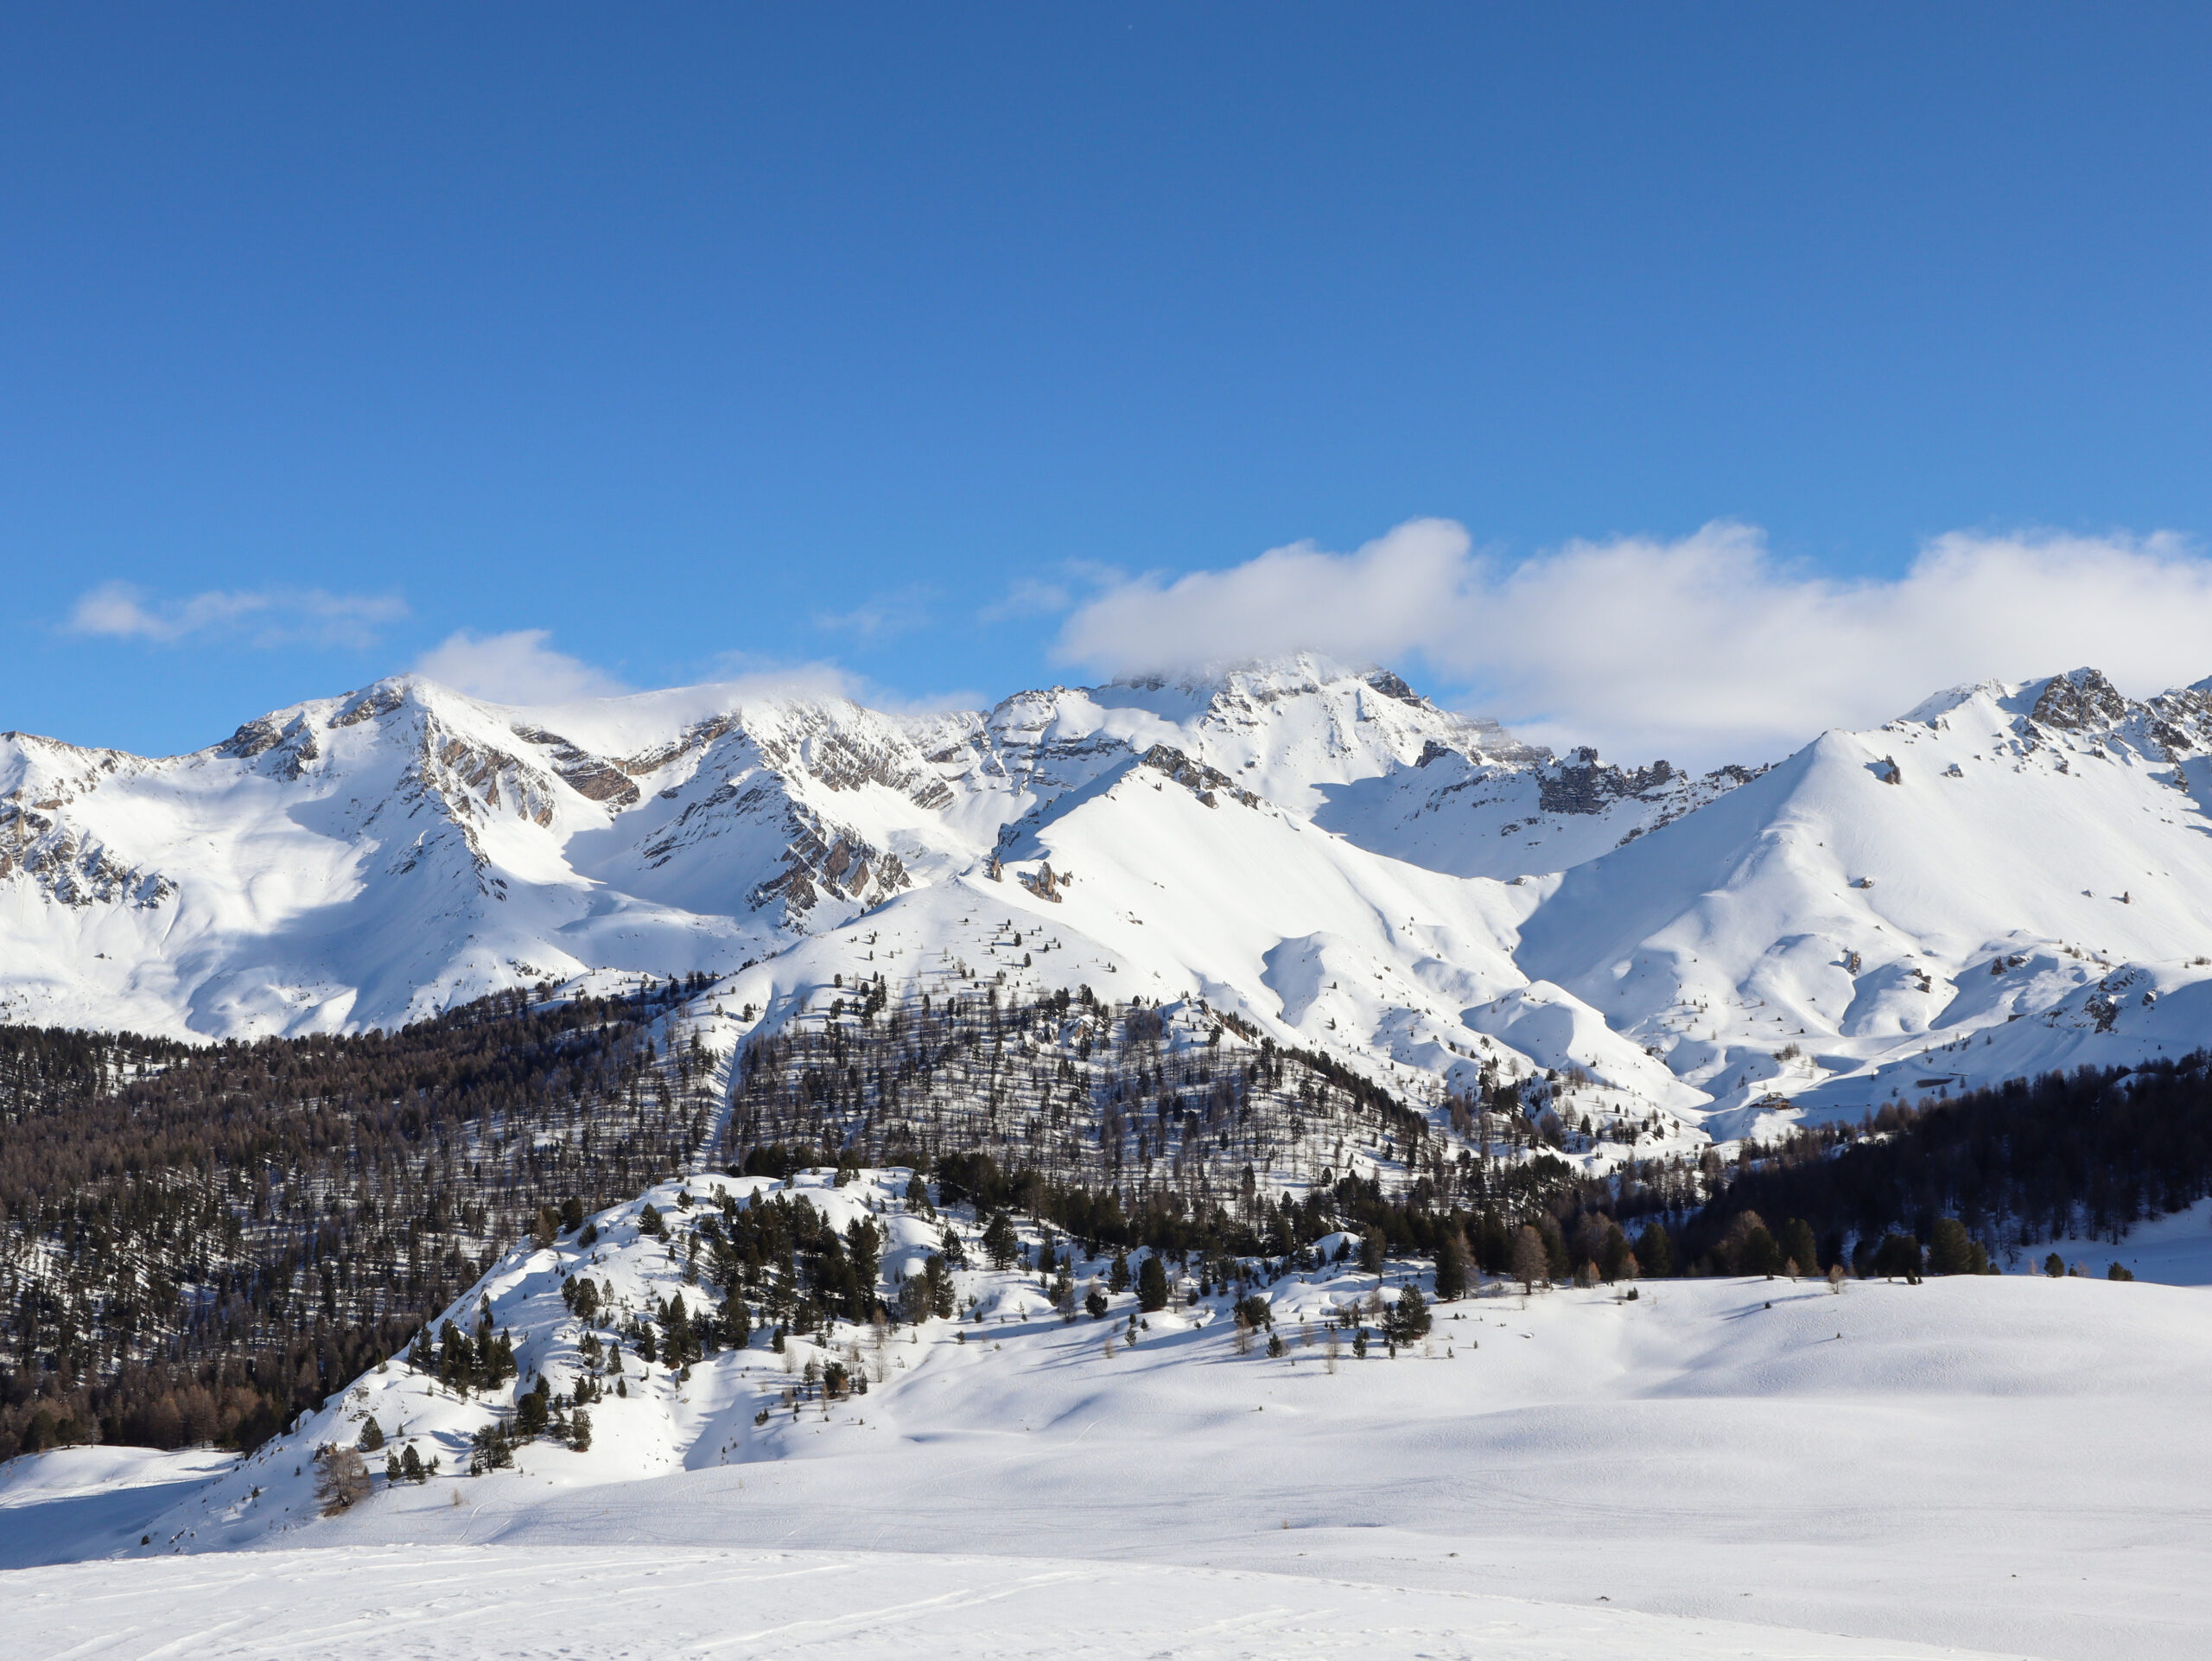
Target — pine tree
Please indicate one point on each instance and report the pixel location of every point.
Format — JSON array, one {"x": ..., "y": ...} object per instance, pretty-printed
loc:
[
  {"x": 1152, "y": 1284},
  {"x": 1451, "y": 1268},
  {"x": 1410, "y": 1319},
  {"x": 737, "y": 1320},
  {"x": 1951, "y": 1250},
  {"x": 371, "y": 1436},
  {"x": 530, "y": 1412},
  {"x": 1796, "y": 1245},
  {"x": 1001, "y": 1245}
]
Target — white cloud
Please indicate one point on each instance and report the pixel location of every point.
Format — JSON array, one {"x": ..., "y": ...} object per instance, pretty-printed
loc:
[
  {"x": 517, "y": 667},
  {"x": 1703, "y": 648},
  {"x": 266, "y": 616}
]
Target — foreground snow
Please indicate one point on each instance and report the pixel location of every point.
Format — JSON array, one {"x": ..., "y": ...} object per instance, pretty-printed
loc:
[
  {"x": 2008, "y": 1464},
  {"x": 454, "y": 1601}
]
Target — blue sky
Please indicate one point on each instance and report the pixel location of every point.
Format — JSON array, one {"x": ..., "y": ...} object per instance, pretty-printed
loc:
[{"x": 934, "y": 347}]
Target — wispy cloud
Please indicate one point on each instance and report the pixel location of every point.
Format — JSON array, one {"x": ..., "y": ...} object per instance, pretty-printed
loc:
[
  {"x": 266, "y": 617},
  {"x": 881, "y": 615},
  {"x": 1703, "y": 647},
  {"x": 1074, "y": 581},
  {"x": 516, "y": 667}
]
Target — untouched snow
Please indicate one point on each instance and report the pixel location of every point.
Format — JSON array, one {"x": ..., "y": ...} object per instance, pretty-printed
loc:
[
  {"x": 79, "y": 1502},
  {"x": 2008, "y": 1464}
]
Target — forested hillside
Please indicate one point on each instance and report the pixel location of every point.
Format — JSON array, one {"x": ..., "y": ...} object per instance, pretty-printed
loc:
[
  {"x": 197, "y": 1243},
  {"x": 2085, "y": 1154}
]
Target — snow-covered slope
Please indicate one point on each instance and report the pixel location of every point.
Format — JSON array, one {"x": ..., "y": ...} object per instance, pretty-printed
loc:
[
  {"x": 2007, "y": 1463},
  {"x": 1470, "y": 816},
  {"x": 2012, "y": 877}
]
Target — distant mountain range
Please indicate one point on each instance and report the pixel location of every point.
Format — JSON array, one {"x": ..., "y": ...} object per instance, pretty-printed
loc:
[{"x": 2007, "y": 878}]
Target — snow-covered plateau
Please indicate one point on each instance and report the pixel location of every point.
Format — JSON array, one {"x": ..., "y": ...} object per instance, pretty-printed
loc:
[
  {"x": 1981, "y": 1465},
  {"x": 2005, "y": 880}
]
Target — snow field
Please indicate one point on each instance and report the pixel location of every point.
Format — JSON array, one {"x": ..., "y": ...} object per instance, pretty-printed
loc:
[{"x": 2008, "y": 1464}]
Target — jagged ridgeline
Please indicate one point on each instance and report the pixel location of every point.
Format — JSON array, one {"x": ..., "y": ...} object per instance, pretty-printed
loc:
[
  {"x": 196, "y": 1243},
  {"x": 1181, "y": 1109}
]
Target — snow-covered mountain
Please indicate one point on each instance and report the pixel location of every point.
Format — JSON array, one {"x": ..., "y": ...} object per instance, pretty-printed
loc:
[{"x": 2008, "y": 878}]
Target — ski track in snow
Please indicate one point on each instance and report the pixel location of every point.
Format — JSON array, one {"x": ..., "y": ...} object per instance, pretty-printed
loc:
[{"x": 429, "y": 1602}]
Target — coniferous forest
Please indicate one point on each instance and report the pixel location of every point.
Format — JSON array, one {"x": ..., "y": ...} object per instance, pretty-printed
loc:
[{"x": 198, "y": 1243}]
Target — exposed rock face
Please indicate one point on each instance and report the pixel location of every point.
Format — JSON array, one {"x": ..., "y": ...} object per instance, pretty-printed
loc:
[
  {"x": 2081, "y": 701},
  {"x": 1585, "y": 785},
  {"x": 1201, "y": 780},
  {"x": 592, "y": 777}
]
